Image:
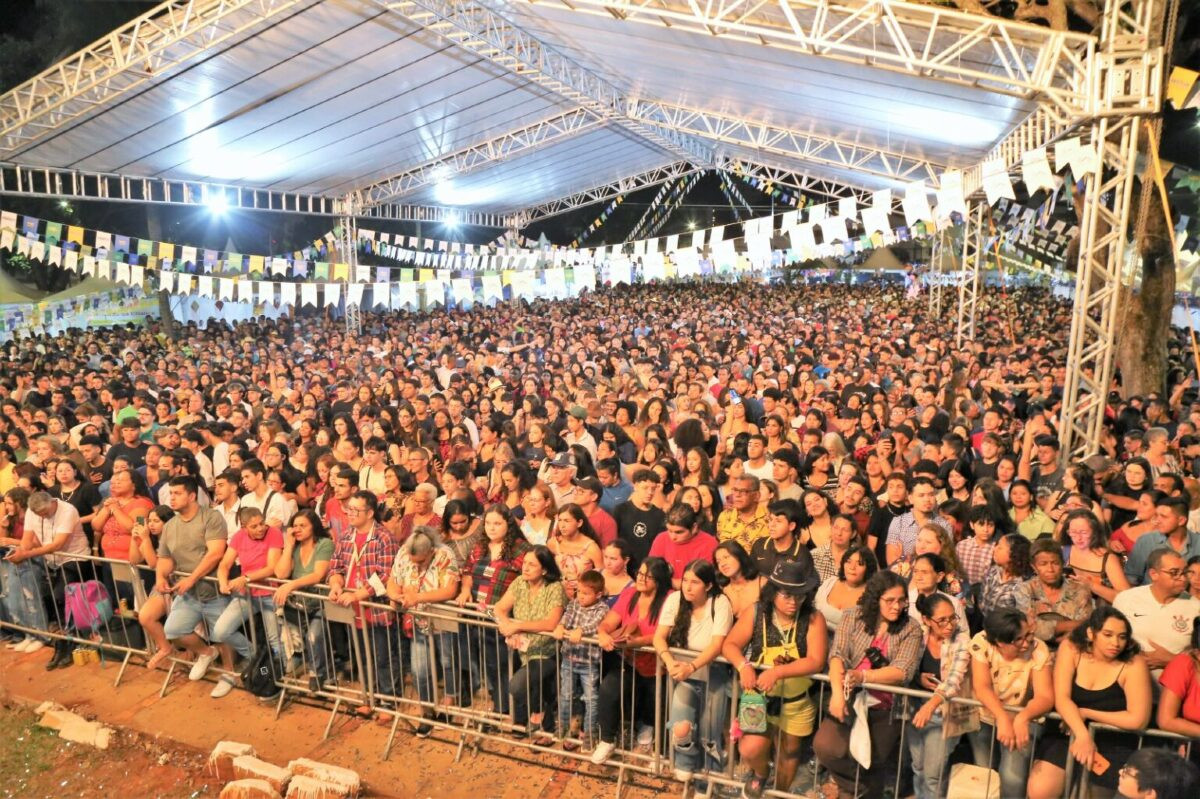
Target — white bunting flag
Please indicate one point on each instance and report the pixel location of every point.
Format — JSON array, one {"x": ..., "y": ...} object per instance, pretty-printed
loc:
[
  {"x": 245, "y": 291},
  {"x": 7, "y": 237},
  {"x": 380, "y": 295},
  {"x": 23, "y": 245},
  {"x": 333, "y": 295},
  {"x": 875, "y": 220},
  {"x": 166, "y": 279},
  {"x": 585, "y": 277},
  {"x": 103, "y": 240},
  {"x": 716, "y": 234},
  {"x": 354, "y": 294},
  {"x": 183, "y": 284},
  {"x": 224, "y": 288},
  {"x": 996, "y": 183},
  {"x": 186, "y": 254},
  {"x": 950, "y": 197},
  {"x": 204, "y": 286},
  {"x": 916, "y": 204},
  {"x": 308, "y": 293},
  {"x": 287, "y": 294},
  {"x": 405, "y": 295},
  {"x": 834, "y": 230},
  {"x": 848, "y": 208},
  {"x": 8, "y": 221},
  {"x": 462, "y": 290},
  {"x": 123, "y": 273},
  {"x": 279, "y": 266},
  {"x": 882, "y": 199},
  {"x": 492, "y": 288},
  {"x": 71, "y": 260},
  {"x": 1035, "y": 170},
  {"x": 362, "y": 274},
  {"x": 266, "y": 292},
  {"x": 818, "y": 213},
  {"x": 652, "y": 268},
  {"x": 434, "y": 293},
  {"x": 137, "y": 275},
  {"x": 55, "y": 254},
  {"x": 672, "y": 243}
]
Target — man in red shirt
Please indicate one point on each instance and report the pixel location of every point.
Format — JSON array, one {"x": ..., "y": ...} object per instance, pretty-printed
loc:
[
  {"x": 682, "y": 542},
  {"x": 587, "y": 493}
]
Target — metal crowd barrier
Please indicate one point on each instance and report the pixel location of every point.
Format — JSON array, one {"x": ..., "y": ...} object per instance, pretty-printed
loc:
[{"x": 447, "y": 667}]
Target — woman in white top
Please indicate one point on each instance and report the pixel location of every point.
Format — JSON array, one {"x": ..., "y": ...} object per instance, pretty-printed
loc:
[
  {"x": 837, "y": 594},
  {"x": 696, "y": 617},
  {"x": 540, "y": 511}
]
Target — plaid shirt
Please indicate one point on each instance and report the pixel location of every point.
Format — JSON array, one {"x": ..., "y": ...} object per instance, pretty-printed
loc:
[
  {"x": 956, "y": 663},
  {"x": 489, "y": 578},
  {"x": 853, "y": 640},
  {"x": 376, "y": 558},
  {"x": 904, "y": 528},
  {"x": 975, "y": 557},
  {"x": 577, "y": 617},
  {"x": 998, "y": 592}
]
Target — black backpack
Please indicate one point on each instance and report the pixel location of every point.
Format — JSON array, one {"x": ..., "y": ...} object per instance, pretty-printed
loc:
[{"x": 258, "y": 675}]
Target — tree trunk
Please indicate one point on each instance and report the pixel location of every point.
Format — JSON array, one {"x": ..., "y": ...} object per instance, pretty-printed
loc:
[
  {"x": 1142, "y": 333},
  {"x": 154, "y": 231}
]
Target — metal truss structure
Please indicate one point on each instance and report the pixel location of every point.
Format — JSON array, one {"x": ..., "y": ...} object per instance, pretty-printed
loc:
[
  {"x": 958, "y": 47},
  {"x": 348, "y": 246},
  {"x": 775, "y": 140},
  {"x": 970, "y": 266},
  {"x": 69, "y": 184},
  {"x": 475, "y": 156},
  {"x": 165, "y": 37},
  {"x": 935, "y": 268},
  {"x": 1129, "y": 32},
  {"x": 476, "y": 28},
  {"x": 606, "y": 191}
]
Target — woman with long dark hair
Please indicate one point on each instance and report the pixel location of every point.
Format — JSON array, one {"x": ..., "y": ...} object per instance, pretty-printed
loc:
[
  {"x": 774, "y": 649},
  {"x": 696, "y": 617},
  {"x": 877, "y": 642},
  {"x": 1099, "y": 676},
  {"x": 303, "y": 564},
  {"x": 628, "y": 690},
  {"x": 490, "y": 568}
]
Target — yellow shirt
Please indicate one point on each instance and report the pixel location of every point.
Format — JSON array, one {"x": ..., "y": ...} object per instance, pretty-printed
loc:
[
  {"x": 8, "y": 478},
  {"x": 731, "y": 527}
]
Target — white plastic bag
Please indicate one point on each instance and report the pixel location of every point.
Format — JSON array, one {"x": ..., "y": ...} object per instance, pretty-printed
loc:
[
  {"x": 968, "y": 781},
  {"x": 860, "y": 733}
]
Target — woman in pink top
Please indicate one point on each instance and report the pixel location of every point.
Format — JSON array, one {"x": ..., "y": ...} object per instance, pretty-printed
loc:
[
  {"x": 630, "y": 625},
  {"x": 256, "y": 549}
]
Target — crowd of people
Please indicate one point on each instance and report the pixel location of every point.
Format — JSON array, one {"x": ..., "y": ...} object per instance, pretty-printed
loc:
[{"x": 782, "y": 482}]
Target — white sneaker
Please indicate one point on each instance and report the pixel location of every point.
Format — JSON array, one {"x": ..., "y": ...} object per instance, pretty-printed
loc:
[
  {"x": 17, "y": 646},
  {"x": 683, "y": 775},
  {"x": 32, "y": 645},
  {"x": 222, "y": 688},
  {"x": 200, "y": 667},
  {"x": 645, "y": 735},
  {"x": 603, "y": 752}
]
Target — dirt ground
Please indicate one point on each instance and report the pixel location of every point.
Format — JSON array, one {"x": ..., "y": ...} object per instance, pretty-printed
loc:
[{"x": 162, "y": 744}]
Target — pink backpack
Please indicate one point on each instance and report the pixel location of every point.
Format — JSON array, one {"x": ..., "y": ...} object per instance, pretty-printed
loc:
[{"x": 88, "y": 605}]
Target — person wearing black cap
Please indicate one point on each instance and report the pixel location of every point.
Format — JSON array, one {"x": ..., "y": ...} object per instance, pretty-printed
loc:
[{"x": 774, "y": 650}]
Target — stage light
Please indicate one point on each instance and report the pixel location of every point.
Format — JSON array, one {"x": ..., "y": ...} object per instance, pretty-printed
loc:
[
  {"x": 691, "y": 224},
  {"x": 451, "y": 220},
  {"x": 217, "y": 204}
]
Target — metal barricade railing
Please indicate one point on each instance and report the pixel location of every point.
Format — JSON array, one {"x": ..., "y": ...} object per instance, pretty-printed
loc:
[{"x": 447, "y": 668}]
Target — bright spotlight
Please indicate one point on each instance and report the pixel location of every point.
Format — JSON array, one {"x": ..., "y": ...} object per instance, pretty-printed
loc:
[
  {"x": 691, "y": 224},
  {"x": 217, "y": 204},
  {"x": 451, "y": 220}
]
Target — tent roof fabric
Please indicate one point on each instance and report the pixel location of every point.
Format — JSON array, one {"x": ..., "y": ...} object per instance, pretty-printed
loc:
[{"x": 335, "y": 95}]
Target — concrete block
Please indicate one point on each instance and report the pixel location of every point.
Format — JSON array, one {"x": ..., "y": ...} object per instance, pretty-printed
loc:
[
  {"x": 220, "y": 762},
  {"x": 249, "y": 789},
  {"x": 346, "y": 779}
]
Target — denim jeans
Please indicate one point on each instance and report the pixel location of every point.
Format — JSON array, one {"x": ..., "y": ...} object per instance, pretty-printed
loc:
[
  {"x": 704, "y": 706},
  {"x": 22, "y": 593},
  {"x": 929, "y": 749},
  {"x": 385, "y": 652},
  {"x": 187, "y": 612},
  {"x": 532, "y": 689},
  {"x": 1013, "y": 763},
  {"x": 233, "y": 620},
  {"x": 489, "y": 660},
  {"x": 586, "y": 675},
  {"x": 430, "y": 651},
  {"x": 306, "y": 632}
]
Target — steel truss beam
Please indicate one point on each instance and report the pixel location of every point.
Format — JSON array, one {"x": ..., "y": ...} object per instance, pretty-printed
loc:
[
  {"x": 481, "y": 154},
  {"x": 935, "y": 268},
  {"x": 969, "y": 273},
  {"x": 980, "y": 51},
  {"x": 1129, "y": 32},
  {"x": 604, "y": 192},
  {"x": 475, "y": 27},
  {"x": 68, "y": 184},
  {"x": 789, "y": 143},
  {"x": 142, "y": 50},
  {"x": 787, "y": 177}
]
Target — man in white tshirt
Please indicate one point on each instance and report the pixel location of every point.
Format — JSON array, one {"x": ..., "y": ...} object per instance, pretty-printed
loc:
[
  {"x": 276, "y": 508},
  {"x": 53, "y": 532},
  {"x": 1160, "y": 612}
]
